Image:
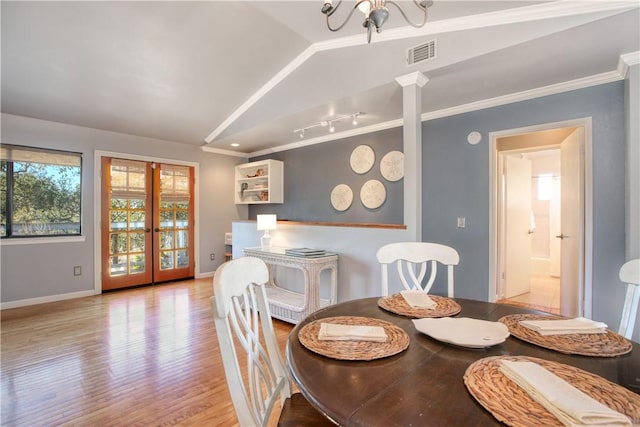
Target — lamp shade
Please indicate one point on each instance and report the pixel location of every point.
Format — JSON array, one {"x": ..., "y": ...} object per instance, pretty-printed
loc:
[{"x": 266, "y": 222}]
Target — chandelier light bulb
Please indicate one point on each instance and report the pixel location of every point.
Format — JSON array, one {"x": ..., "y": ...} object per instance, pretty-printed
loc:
[
  {"x": 327, "y": 6},
  {"x": 331, "y": 127},
  {"x": 355, "y": 120},
  {"x": 365, "y": 7}
]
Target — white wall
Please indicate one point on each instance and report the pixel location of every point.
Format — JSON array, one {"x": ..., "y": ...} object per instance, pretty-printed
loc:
[{"x": 358, "y": 268}]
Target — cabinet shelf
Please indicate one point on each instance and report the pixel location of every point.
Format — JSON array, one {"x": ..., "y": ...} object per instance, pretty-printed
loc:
[{"x": 259, "y": 182}]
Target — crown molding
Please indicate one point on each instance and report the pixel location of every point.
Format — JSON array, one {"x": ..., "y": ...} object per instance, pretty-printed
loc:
[
  {"x": 626, "y": 61},
  {"x": 224, "y": 152},
  {"x": 598, "y": 79}
]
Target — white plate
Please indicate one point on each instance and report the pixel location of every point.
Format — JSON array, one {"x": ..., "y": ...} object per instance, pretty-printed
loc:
[{"x": 463, "y": 331}]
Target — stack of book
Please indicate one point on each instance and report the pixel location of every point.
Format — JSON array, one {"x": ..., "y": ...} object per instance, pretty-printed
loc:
[{"x": 305, "y": 252}]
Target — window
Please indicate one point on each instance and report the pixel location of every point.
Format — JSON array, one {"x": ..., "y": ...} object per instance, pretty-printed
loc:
[
  {"x": 40, "y": 192},
  {"x": 545, "y": 186}
]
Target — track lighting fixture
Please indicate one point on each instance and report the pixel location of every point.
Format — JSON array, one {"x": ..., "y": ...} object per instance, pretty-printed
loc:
[{"x": 330, "y": 123}]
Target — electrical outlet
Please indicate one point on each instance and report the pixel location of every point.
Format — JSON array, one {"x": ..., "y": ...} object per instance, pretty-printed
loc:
[
  {"x": 212, "y": 256},
  {"x": 461, "y": 222},
  {"x": 77, "y": 270}
]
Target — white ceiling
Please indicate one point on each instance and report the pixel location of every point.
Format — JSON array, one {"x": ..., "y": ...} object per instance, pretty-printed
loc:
[{"x": 212, "y": 73}]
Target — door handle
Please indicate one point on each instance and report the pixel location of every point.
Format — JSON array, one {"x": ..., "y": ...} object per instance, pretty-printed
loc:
[
  {"x": 156, "y": 230},
  {"x": 146, "y": 230},
  {"x": 561, "y": 236},
  {"x": 530, "y": 232}
]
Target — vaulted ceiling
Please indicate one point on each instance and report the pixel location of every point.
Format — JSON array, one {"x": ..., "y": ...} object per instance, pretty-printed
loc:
[{"x": 251, "y": 72}]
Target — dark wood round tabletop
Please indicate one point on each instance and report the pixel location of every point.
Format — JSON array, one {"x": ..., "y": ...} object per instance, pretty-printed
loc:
[{"x": 423, "y": 385}]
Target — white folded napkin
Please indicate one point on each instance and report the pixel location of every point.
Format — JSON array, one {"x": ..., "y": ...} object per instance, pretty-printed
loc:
[
  {"x": 418, "y": 299},
  {"x": 571, "y": 406},
  {"x": 579, "y": 325},
  {"x": 336, "y": 332}
]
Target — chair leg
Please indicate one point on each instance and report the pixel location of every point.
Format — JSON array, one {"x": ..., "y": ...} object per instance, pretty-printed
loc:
[{"x": 629, "y": 311}]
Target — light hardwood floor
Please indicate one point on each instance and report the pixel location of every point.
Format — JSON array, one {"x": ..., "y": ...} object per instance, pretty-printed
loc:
[
  {"x": 142, "y": 357},
  {"x": 544, "y": 295}
]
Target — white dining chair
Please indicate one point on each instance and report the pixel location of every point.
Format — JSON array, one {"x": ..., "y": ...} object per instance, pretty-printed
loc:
[
  {"x": 257, "y": 377},
  {"x": 412, "y": 260},
  {"x": 630, "y": 274}
]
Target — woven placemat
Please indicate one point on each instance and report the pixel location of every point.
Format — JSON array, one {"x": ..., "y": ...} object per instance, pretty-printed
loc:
[
  {"x": 397, "y": 340},
  {"x": 397, "y": 304},
  {"x": 608, "y": 344},
  {"x": 510, "y": 404}
]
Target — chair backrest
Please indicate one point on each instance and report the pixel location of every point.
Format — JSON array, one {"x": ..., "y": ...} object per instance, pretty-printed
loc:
[
  {"x": 256, "y": 378},
  {"x": 412, "y": 260},
  {"x": 630, "y": 274}
]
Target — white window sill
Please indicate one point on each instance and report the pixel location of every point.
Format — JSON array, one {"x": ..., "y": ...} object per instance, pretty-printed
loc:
[{"x": 41, "y": 240}]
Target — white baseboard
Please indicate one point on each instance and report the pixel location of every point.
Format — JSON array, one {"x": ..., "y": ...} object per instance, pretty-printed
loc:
[
  {"x": 62, "y": 297},
  {"x": 205, "y": 275},
  {"x": 43, "y": 300}
]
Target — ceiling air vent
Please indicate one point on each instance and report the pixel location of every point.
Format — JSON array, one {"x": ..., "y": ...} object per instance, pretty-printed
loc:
[{"x": 422, "y": 52}]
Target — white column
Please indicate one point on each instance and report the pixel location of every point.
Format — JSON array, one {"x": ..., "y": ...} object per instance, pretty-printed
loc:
[{"x": 412, "y": 147}]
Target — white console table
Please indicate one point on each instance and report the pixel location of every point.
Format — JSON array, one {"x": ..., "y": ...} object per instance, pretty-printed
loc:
[{"x": 292, "y": 306}]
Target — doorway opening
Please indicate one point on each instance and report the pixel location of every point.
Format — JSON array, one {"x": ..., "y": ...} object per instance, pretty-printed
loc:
[
  {"x": 541, "y": 184},
  {"x": 531, "y": 181}
]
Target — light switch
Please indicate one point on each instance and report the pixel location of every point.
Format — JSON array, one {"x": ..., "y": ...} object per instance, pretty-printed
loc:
[{"x": 461, "y": 222}]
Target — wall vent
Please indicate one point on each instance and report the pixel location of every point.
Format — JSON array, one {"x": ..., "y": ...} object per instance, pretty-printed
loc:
[{"x": 421, "y": 53}]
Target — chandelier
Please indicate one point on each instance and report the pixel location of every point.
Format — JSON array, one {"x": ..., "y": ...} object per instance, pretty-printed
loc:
[{"x": 375, "y": 14}]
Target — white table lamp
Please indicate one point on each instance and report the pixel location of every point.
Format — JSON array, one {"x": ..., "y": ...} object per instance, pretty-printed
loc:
[{"x": 266, "y": 223}]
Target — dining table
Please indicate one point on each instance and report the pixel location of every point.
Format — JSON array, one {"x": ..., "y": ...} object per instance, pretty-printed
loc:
[{"x": 423, "y": 385}]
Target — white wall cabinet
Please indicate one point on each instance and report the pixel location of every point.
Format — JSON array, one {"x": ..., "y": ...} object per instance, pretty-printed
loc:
[{"x": 259, "y": 182}]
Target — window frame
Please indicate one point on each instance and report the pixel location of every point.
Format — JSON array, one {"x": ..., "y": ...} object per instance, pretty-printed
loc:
[{"x": 10, "y": 238}]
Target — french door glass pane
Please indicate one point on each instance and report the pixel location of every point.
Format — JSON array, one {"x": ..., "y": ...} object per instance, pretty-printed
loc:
[
  {"x": 118, "y": 265},
  {"x": 118, "y": 243},
  {"x": 166, "y": 240},
  {"x": 182, "y": 239},
  {"x": 136, "y": 264},
  {"x": 166, "y": 260},
  {"x": 136, "y": 242},
  {"x": 183, "y": 258},
  {"x": 136, "y": 220}
]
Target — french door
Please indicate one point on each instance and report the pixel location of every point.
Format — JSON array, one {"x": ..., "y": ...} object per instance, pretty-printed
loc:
[{"x": 147, "y": 223}]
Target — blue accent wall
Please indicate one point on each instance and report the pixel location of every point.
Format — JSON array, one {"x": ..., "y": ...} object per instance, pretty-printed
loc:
[
  {"x": 311, "y": 173},
  {"x": 456, "y": 183}
]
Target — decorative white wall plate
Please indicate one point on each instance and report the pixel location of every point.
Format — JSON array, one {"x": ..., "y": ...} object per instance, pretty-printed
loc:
[
  {"x": 362, "y": 159},
  {"x": 373, "y": 194},
  {"x": 392, "y": 166},
  {"x": 341, "y": 197}
]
